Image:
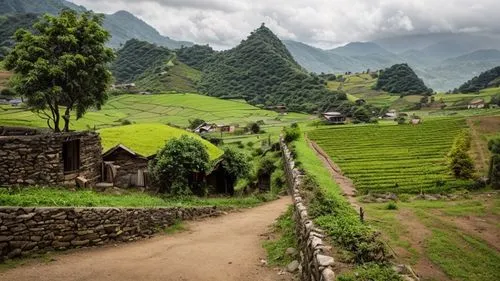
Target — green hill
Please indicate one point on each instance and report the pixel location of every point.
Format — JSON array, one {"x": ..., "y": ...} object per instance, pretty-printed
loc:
[
  {"x": 176, "y": 109},
  {"x": 196, "y": 56},
  {"x": 262, "y": 71},
  {"x": 489, "y": 78},
  {"x": 153, "y": 68},
  {"x": 401, "y": 79},
  {"x": 153, "y": 138},
  {"x": 9, "y": 24}
]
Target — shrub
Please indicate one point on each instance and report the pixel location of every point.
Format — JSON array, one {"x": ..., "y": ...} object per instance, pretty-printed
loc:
[
  {"x": 235, "y": 164},
  {"x": 459, "y": 161},
  {"x": 253, "y": 128},
  {"x": 193, "y": 124},
  {"x": 291, "y": 134},
  {"x": 494, "y": 171},
  {"x": 176, "y": 165},
  {"x": 391, "y": 206},
  {"x": 126, "y": 122}
]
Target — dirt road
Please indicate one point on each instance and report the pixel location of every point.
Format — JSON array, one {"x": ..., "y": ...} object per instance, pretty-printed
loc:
[{"x": 224, "y": 248}]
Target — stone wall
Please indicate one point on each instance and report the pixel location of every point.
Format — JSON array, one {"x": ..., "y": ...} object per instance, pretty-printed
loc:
[
  {"x": 316, "y": 260},
  {"x": 37, "y": 159},
  {"x": 25, "y": 231}
]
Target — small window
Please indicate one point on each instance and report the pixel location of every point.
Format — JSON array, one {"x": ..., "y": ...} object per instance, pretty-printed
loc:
[{"x": 71, "y": 155}]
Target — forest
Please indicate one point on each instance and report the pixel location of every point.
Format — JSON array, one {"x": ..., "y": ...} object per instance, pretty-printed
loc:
[
  {"x": 489, "y": 78},
  {"x": 401, "y": 79}
]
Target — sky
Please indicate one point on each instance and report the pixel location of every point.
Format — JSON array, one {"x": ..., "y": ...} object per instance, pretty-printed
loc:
[{"x": 321, "y": 23}]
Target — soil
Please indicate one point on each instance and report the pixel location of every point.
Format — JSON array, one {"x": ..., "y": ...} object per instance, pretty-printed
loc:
[
  {"x": 417, "y": 234},
  {"x": 224, "y": 248},
  {"x": 345, "y": 183}
]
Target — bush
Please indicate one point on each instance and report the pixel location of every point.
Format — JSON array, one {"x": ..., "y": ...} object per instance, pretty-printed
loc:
[
  {"x": 391, "y": 206},
  {"x": 459, "y": 161},
  {"x": 291, "y": 134},
  {"x": 176, "y": 165},
  {"x": 253, "y": 128},
  {"x": 126, "y": 122},
  {"x": 494, "y": 171}
]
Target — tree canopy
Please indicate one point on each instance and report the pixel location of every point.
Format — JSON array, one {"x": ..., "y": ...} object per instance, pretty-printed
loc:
[
  {"x": 401, "y": 79},
  {"x": 62, "y": 63},
  {"x": 489, "y": 78}
]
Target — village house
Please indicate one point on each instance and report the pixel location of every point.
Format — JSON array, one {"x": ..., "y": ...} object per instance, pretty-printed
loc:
[
  {"x": 127, "y": 86},
  {"x": 476, "y": 104},
  {"x": 334, "y": 117},
  {"x": 124, "y": 168},
  {"x": 206, "y": 128},
  {"x": 390, "y": 115}
]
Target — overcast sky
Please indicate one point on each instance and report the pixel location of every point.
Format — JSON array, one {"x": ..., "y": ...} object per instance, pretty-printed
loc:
[{"x": 322, "y": 23}]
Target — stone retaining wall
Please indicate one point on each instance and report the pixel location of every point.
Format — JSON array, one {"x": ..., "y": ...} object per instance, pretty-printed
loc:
[
  {"x": 316, "y": 261},
  {"x": 25, "y": 231}
]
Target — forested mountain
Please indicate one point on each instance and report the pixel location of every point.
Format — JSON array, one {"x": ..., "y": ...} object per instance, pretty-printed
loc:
[
  {"x": 401, "y": 79},
  {"x": 262, "y": 71},
  {"x": 196, "y": 56},
  {"x": 490, "y": 78},
  {"x": 122, "y": 25},
  {"x": 443, "y": 60},
  {"x": 153, "y": 68},
  {"x": 8, "y": 26}
]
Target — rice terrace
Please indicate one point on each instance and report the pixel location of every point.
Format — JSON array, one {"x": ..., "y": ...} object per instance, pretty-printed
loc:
[{"x": 126, "y": 154}]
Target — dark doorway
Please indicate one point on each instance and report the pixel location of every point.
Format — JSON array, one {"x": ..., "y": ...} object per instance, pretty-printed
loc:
[{"x": 71, "y": 155}]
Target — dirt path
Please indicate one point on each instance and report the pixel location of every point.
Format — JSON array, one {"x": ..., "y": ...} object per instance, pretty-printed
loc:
[
  {"x": 344, "y": 182},
  {"x": 479, "y": 148},
  {"x": 223, "y": 248}
]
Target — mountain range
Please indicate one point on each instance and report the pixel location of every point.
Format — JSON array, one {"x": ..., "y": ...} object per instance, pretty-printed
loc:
[
  {"x": 122, "y": 25},
  {"x": 442, "y": 60}
]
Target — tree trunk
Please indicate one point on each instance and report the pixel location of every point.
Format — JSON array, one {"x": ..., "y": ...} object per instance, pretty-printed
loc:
[
  {"x": 55, "y": 113},
  {"x": 66, "y": 118}
]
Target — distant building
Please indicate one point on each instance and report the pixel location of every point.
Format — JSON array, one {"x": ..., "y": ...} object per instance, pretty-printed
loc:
[
  {"x": 479, "y": 103},
  {"x": 128, "y": 86},
  {"x": 123, "y": 167},
  {"x": 206, "y": 128},
  {"x": 334, "y": 117},
  {"x": 391, "y": 115},
  {"x": 416, "y": 121},
  {"x": 226, "y": 128}
]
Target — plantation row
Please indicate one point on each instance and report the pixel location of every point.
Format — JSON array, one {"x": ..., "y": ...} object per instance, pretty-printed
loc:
[{"x": 402, "y": 158}]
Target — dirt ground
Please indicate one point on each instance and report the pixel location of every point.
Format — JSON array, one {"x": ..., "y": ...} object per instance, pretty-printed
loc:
[{"x": 223, "y": 248}]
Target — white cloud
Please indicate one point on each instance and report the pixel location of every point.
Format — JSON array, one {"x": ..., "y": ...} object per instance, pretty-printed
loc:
[{"x": 323, "y": 23}]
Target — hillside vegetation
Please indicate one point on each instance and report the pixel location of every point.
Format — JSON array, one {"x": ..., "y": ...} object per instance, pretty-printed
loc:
[
  {"x": 262, "y": 71},
  {"x": 152, "y": 138},
  {"x": 196, "y": 56},
  {"x": 153, "y": 68},
  {"x": 487, "y": 79},
  {"x": 175, "y": 109},
  {"x": 9, "y": 23},
  {"x": 401, "y": 79},
  {"x": 399, "y": 159}
]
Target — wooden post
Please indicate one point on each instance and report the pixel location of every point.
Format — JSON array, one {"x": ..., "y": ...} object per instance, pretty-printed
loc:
[{"x": 361, "y": 214}]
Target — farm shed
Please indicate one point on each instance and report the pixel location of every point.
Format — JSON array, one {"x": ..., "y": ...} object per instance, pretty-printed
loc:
[
  {"x": 125, "y": 168},
  {"x": 334, "y": 117},
  {"x": 478, "y": 103},
  {"x": 29, "y": 156},
  {"x": 205, "y": 128}
]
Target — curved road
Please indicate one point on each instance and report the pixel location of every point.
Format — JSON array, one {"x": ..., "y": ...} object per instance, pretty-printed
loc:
[{"x": 223, "y": 248}]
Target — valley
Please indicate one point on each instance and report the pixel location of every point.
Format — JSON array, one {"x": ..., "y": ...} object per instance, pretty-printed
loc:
[{"x": 277, "y": 160}]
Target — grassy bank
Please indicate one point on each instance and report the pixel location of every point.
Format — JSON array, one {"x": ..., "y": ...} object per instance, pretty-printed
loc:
[
  {"x": 284, "y": 229},
  {"x": 55, "y": 197}
]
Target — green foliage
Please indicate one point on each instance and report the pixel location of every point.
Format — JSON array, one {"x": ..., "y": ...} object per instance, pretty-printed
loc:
[
  {"x": 333, "y": 213},
  {"x": 235, "y": 163},
  {"x": 291, "y": 134},
  {"x": 399, "y": 159},
  {"x": 253, "y": 128},
  {"x": 266, "y": 166},
  {"x": 136, "y": 57},
  {"x": 459, "y": 161},
  {"x": 400, "y": 120},
  {"x": 62, "y": 64},
  {"x": 391, "y": 206},
  {"x": 193, "y": 124},
  {"x": 371, "y": 272},
  {"x": 489, "y": 78},
  {"x": 195, "y": 56},
  {"x": 63, "y": 197},
  {"x": 285, "y": 227},
  {"x": 175, "y": 168},
  {"x": 8, "y": 25},
  {"x": 400, "y": 79},
  {"x": 262, "y": 71},
  {"x": 494, "y": 170},
  {"x": 495, "y": 99}
]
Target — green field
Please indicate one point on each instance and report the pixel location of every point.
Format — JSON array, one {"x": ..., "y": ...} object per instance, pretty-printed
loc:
[
  {"x": 175, "y": 109},
  {"x": 147, "y": 139},
  {"x": 399, "y": 158},
  {"x": 457, "y": 100}
]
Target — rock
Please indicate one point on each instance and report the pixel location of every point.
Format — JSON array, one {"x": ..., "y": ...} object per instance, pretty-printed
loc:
[
  {"x": 328, "y": 275},
  {"x": 14, "y": 253},
  {"x": 263, "y": 262},
  {"x": 6, "y": 238},
  {"x": 26, "y": 216},
  {"x": 292, "y": 252},
  {"x": 80, "y": 243},
  {"x": 324, "y": 260},
  {"x": 293, "y": 266}
]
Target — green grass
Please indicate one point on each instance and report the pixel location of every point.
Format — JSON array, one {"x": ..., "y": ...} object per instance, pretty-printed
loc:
[
  {"x": 175, "y": 109},
  {"x": 54, "y": 197},
  {"x": 401, "y": 159},
  {"x": 453, "y": 100},
  {"x": 178, "y": 226},
  {"x": 147, "y": 139},
  {"x": 285, "y": 228}
]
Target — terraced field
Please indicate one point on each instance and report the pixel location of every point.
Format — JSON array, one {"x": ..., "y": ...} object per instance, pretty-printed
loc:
[
  {"x": 175, "y": 109},
  {"x": 401, "y": 159}
]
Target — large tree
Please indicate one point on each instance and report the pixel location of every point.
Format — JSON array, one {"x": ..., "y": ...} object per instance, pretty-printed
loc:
[{"x": 62, "y": 65}]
